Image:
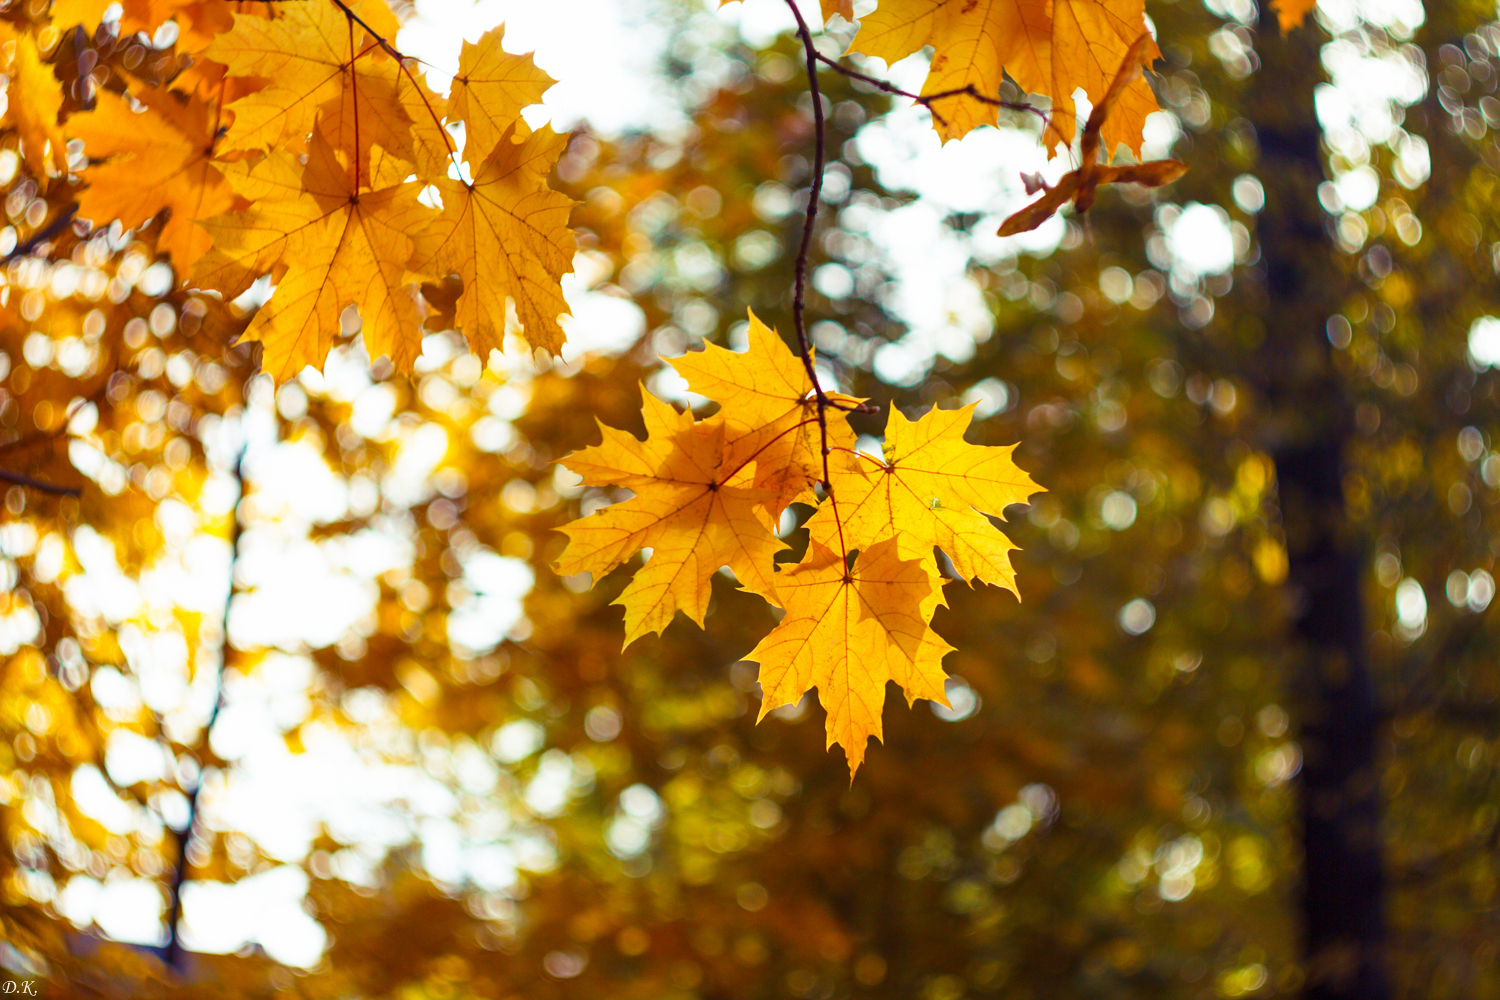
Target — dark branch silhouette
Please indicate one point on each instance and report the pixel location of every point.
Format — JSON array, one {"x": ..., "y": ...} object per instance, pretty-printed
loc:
[
  {"x": 175, "y": 954},
  {"x": 926, "y": 100},
  {"x": 38, "y": 484}
]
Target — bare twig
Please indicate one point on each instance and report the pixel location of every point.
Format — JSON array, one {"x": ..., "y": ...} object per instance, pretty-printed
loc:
[
  {"x": 810, "y": 218},
  {"x": 175, "y": 954},
  {"x": 53, "y": 228},
  {"x": 926, "y": 100},
  {"x": 38, "y": 484}
]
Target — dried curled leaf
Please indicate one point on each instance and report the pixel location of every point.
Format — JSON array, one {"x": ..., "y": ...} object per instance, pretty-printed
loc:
[{"x": 1081, "y": 186}]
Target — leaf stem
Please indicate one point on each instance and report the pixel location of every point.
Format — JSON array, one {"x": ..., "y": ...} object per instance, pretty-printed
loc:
[
  {"x": 401, "y": 61},
  {"x": 354, "y": 89}
]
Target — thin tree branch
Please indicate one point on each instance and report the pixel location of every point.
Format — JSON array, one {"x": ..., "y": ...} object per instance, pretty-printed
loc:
[
  {"x": 54, "y": 228},
  {"x": 37, "y": 484},
  {"x": 927, "y": 99},
  {"x": 175, "y": 954},
  {"x": 809, "y": 221}
]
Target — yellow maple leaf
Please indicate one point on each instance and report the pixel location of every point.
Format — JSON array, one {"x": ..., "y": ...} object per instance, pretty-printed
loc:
[
  {"x": 306, "y": 55},
  {"x": 932, "y": 489},
  {"x": 252, "y": 243},
  {"x": 685, "y": 510},
  {"x": 332, "y": 245},
  {"x": 34, "y": 100},
  {"x": 848, "y": 630},
  {"x": 1050, "y": 47},
  {"x": 769, "y": 410},
  {"x": 158, "y": 158},
  {"x": 505, "y": 235},
  {"x": 432, "y": 145},
  {"x": 489, "y": 91}
]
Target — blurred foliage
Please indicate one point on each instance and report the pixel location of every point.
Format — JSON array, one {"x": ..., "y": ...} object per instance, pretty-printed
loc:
[{"x": 1107, "y": 812}]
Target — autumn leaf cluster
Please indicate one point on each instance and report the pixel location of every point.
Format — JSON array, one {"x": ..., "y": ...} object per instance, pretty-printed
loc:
[
  {"x": 292, "y": 159},
  {"x": 298, "y": 146},
  {"x": 712, "y": 492}
]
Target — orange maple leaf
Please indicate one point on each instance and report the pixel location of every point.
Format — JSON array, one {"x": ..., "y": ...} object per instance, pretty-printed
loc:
[
  {"x": 332, "y": 244},
  {"x": 1050, "y": 47},
  {"x": 848, "y": 630},
  {"x": 158, "y": 158},
  {"x": 35, "y": 98},
  {"x": 505, "y": 235},
  {"x": 769, "y": 410},
  {"x": 695, "y": 512},
  {"x": 843, "y": 8},
  {"x": 1291, "y": 13},
  {"x": 932, "y": 489},
  {"x": 319, "y": 67}
]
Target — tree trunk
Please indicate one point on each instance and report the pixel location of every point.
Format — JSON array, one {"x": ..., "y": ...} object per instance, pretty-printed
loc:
[{"x": 1342, "y": 890}]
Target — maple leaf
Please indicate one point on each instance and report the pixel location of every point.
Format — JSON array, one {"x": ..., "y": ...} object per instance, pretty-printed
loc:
[
  {"x": 505, "y": 235},
  {"x": 1291, "y": 13},
  {"x": 688, "y": 508},
  {"x": 432, "y": 147},
  {"x": 158, "y": 158},
  {"x": 198, "y": 21},
  {"x": 1050, "y": 47},
  {"x": 848, "y": 630},
  {"x": 490, "y": 89},
  {"x": 34, "y": 100},
  {"x": 932, "y": 489},
  {"x": 1081, "y": 185},
  {"x": 769, "y": 410},
  {"x": 843, "y": 8},
  {"x": 318, "y": 64},
  {"x": 334, "y": 244}
]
